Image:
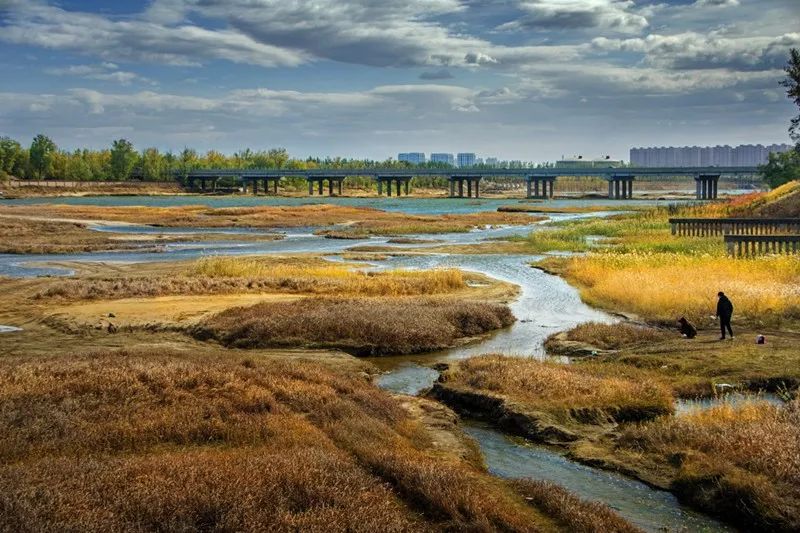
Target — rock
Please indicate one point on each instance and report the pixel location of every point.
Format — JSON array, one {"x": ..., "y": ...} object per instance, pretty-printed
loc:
[
  {"x": 111, "y": 328},
  {"x": 112, "y": 315}
]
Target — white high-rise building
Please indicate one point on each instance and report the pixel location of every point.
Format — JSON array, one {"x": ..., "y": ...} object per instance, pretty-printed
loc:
[
  {"x": 415, "y": 158},
  {"x": 466, "y": 159},
  {"x": 745, "y": 155},
  {"x": 441, "y": 157}
]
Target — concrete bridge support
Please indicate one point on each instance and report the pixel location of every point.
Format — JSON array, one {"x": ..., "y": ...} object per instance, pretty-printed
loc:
[
  {"x": 334, "y": 182},
  {"x": 401, "y": 185},
  {"x": 620, "y": 187},
  {"x": 707, "y": 185},
  {"x": 473, "y": 183},
  {"x": 547, "y": 186}
]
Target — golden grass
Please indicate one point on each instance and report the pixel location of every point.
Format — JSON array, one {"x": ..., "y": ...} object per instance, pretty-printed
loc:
[
  {"x": 363, "y": 326},
  {"x": 152, "y": 439},
  {"x": 664, "y": 287},
  {"x": 743, "y": 461},
  {"x": 558, "y": 388},
  {"x": 349, "y": 281},
  {"x": 224, "y": 275}
]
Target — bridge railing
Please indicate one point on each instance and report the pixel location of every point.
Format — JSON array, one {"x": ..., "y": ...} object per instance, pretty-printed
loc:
[
  {"x": 703, "y": 227},
  {"x": 753, "y": 245}
]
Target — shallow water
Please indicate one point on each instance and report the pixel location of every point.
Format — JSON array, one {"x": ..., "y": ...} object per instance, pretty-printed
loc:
[
  {"x": 410, "y": 205},
  {"x": 684, "y": 406},
  {"x": 9, "y": 329},
  {"x": 648, "y": 508}
]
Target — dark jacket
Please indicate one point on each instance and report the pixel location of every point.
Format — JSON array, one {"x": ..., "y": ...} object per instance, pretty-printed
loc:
[
  {"x": 724, "y": 307},
  {"x": 686, "y": 328}
]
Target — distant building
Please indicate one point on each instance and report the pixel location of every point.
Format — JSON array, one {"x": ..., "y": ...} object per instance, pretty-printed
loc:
[
  {"x": 581, "y": 162},
  {"x": 744, "y": 155},
  {"x": 415, "y": 158},
  {"x": 466, "y": 159},
  {"x": 492, "y": 162},
  {"x": 441, "y": 157}
]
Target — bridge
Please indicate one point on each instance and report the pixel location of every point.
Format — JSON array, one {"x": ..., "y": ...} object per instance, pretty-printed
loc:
[{"x": 540, "y": 182}]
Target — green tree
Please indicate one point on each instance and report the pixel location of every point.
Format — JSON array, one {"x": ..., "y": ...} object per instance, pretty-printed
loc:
[
  {"x": 123, "y": 159},
  {"x": 792, "y": 84},
  {"x": 10, "y": 156},
  {"x": 41, "y": 155},
  {"x": 782, "y": 168},
  {"x": 154, "y": 165}
]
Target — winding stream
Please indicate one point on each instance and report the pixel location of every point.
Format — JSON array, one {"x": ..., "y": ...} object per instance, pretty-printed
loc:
[{"x": 546, "y": 304}]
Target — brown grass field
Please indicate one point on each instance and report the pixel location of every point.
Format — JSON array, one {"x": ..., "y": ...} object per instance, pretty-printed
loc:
[
  {"x": 163, "y": 440},
  {"x": 362, "y": 326},
  {"x": 358, "y": 220}
]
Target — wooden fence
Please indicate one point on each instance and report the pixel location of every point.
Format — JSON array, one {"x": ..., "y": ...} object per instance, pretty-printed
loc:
[
  {"x": 752, "y": 245},
  {"x": 703, "y": 227}
]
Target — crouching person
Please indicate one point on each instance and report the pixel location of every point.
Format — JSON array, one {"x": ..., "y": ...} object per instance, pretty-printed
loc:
[{"x": 686, "y": 328}]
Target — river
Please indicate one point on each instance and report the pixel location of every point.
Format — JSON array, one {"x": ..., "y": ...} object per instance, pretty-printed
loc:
[{"x": 546, "y": 304}]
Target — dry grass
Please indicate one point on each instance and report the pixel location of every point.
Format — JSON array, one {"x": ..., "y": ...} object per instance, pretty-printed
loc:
[
  {"x": 225, "y": 275},
  {"x": 560, "y": 389},
  {"x": 364, "y": 326},
  {"x": 783, "y": 201},
  {"x": 148, "y": 440},
  {"x": 574, "y": 514},
  {"x": 361, "y": 220},
  {"x": 663, "y": 287},
  {"x": 616, "y": 336},
  {"x": 21, "y": 236},
  {"x": 743, "y": 461}
]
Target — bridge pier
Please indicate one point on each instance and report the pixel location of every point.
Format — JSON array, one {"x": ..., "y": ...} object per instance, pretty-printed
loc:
[
  {"x": 320, "y": 183},
  {"x": 533, "y": 182},
  {"x": 707, "y": 186},
  {"x": 473, "y": 182},
  {"x": 620, "y": 187},
  {"x": 400, "y": 184}
]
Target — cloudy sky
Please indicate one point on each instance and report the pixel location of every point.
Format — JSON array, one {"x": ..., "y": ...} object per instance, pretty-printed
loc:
[{"x": 516, "y": 79}]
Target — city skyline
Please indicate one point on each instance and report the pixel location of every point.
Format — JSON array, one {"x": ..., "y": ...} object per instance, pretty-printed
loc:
[{"x": 523, "y": 80}]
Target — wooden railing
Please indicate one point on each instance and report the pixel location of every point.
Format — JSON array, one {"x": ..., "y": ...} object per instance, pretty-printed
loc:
[
  {"x": 752, "y": 245},
  {"x": 703, "y": 227}
]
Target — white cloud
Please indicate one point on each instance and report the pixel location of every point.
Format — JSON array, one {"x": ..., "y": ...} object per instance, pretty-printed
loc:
[{"x": 105, "y": 71}]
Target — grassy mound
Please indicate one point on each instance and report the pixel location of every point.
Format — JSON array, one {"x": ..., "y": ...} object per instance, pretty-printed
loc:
[
  {"x": 743, "y": 462},
  {"x": 562, "y": 390},
  {"x": 363, "y": 326}
]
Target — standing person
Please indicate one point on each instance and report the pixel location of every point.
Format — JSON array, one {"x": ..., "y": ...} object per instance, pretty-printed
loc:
[{"x": 724, "y": 314}]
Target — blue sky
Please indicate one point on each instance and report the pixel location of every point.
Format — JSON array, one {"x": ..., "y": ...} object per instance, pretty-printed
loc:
[{"x": 515, "y": 79}]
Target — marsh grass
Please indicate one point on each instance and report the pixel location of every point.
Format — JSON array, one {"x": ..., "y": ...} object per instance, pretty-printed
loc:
[
  {"x": 616, "y": 336},
  {"x": 742, "y": 460},
  {"x": 152, "y": 439},
  {"x": 359, "y": 220},
  {"x": 560, "y": 389},
  {"x": 573, "y": 513},
  {"x": 148, "y": 439},
  {"x": 221, "y": 275},
  {"x": 662, "y": 287},
  {"x": 363, "y": 326}
]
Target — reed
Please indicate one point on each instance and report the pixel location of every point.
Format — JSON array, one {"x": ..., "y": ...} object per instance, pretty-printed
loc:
[{"x": 662, "y": 287}]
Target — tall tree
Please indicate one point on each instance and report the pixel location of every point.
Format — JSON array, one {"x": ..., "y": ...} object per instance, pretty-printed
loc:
[
  {"x": 41, "y": 155},
  {"x": 10, "y": 155},
  {"x": 123, "y": 159},
  {"x": 792, "y": 84}
]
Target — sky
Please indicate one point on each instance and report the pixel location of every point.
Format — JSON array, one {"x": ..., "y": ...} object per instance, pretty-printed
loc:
[{"x": 516, "y": 79}]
